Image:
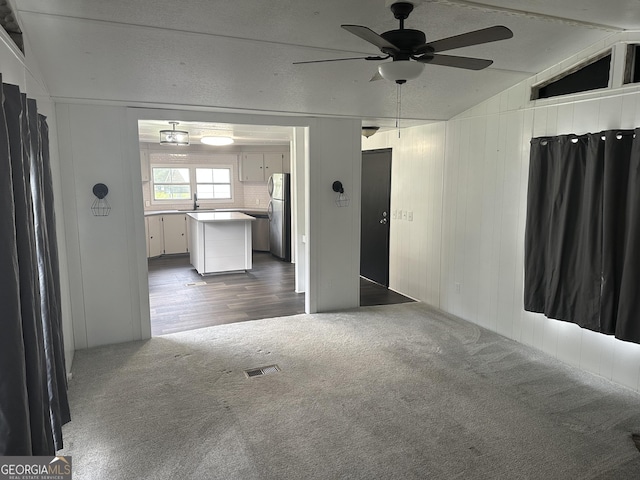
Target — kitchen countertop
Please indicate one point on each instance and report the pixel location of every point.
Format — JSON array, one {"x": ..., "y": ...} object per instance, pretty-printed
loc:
[
  {"x": 248, "y": 211},
  {"x": 208, "y": 217}
]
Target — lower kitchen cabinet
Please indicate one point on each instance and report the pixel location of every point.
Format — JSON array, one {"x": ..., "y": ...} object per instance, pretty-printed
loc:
[
  {"x": 155, "y": 242},
  {"x": 175, "y": 234},
  {"x": 166, "y": 234}
]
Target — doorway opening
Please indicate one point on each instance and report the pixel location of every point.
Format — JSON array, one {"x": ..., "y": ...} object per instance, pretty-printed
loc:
[
  {"x": 375, "y": 225},
  {"x": 200, "y": 178}
]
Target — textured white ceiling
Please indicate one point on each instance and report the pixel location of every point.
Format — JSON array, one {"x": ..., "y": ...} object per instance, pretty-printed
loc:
[
  {"x": 149, "y": 132},
  {"x": 238, "y": 55}
]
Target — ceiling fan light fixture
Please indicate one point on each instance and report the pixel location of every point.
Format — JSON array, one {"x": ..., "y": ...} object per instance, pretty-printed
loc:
[
  {"x": 369, "y": 130},
  {"x": 173, "y": 136},
  {"x": 400, "y": 71},
  {"x": 216, "y": 141}
]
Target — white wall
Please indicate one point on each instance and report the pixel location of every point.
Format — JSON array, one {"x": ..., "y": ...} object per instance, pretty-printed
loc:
[
  {"x": 485, "y": 163},
  {"x": 20, "y": 70},
  {"x": 107, "y": 256},
  {"x": 332, "y": 233},
  {"x": 101, "y": 249}
]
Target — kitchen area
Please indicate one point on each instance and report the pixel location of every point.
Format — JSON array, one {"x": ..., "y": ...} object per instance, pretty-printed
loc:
[{"x": 217, "y": 219}]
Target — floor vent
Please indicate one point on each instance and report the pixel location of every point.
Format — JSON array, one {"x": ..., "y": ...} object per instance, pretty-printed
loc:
[
  {"x": 195, "y": 284},
  {"x": 256, "y": 372}
]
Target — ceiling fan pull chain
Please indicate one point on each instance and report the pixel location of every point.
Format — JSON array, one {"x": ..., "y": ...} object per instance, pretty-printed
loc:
[{"x": 398, "y": 106}]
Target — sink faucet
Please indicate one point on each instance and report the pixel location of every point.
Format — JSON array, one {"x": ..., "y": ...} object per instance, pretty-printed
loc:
[{"x": 195, "y": 201}]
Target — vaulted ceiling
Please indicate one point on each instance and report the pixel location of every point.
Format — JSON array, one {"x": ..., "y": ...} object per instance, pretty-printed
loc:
[{"x": 238, "y": 55}]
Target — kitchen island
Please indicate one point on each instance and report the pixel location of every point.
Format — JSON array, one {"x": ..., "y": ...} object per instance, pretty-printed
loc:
[{"x": 220, "y": 242}]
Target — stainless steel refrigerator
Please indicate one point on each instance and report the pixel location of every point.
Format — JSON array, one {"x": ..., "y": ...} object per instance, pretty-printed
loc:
[{"x": 280, "y": 216}]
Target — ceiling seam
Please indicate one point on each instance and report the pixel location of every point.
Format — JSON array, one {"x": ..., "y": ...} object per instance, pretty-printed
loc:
[
  {"x": 526, "y": 13},
  {"x": 189, "y": 32},
  {"x": 213, "y": 108}
]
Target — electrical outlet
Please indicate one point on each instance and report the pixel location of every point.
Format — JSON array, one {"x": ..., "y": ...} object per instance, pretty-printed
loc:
[
  {"x": 410, "y": 216},
  {"x": 395, "y": 214},
  {"x": 147, "y": 203},
  {"x": 457, "y": 287},
  {"x": 257, "y": 201},
  {"x": 404, "y": 215}
]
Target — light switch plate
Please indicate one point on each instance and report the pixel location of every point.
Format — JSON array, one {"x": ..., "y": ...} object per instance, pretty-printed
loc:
[{"x": 410, "y": 215}]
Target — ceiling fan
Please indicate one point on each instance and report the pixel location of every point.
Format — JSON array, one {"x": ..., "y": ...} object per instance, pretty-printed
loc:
[{"x": 410, "y": 51}]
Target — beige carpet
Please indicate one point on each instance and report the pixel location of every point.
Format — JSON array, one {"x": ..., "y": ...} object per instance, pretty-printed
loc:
[{"x": 389, "y": 392}]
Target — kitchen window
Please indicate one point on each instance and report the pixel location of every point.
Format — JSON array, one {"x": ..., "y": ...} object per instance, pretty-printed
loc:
[
  {"x": 213, "y": 183},
  {"x": 178, "y": 184},
  {"x": 171, "y": 183}
]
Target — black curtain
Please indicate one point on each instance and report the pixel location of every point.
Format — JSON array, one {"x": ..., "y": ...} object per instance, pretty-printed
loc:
[
  {"x": 582, "y": 237},
  {"x": 33, "y": 400}
]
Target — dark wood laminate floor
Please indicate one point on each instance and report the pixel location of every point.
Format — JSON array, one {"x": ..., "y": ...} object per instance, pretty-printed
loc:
[{"x": 180, "y": 299}]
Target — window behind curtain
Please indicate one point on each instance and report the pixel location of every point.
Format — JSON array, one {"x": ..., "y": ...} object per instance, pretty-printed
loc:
[{"x": 582, "y": 239}]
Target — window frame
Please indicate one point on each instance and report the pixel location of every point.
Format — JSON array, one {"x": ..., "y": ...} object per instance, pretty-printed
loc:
[
  {"x": 536, "y": 88},
  {"x": 631, "y": 64},
  {"x": 193, "y": 184},
  {"x": 214, "y": 167},
  {"x": 153, "y": 184}
]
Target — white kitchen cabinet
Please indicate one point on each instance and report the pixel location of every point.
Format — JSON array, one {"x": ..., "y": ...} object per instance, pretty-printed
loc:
[
  {"x": 272, "y": 164},
  {"x": 144, "y": 164},
  {"x": 174, "y": 229},
  {"x": 252, "y": 167},
  {"x": 286, "y": 163},
  {"x": 155, "y": 241},
  {"x": 258, "y": 167},
  {"x": 166, "y": 234}
]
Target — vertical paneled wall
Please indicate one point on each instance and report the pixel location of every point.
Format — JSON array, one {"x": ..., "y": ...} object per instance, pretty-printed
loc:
[
  {"x": 482, "y": 162},
  {"x": 484, "y": 220}
]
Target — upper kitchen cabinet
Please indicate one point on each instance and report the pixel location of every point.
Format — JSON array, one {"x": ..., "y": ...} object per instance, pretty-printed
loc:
[
  {"x": 144, "y": 164},
  {"x": 252, "y": 167},
  {"x": 258, "y": 167},
  {"x": 286, "y": 163}
]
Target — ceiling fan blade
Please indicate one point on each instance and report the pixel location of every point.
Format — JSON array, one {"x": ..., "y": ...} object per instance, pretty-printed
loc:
[
  {"x": 453, "y": 61},
  {"x": 341, "y": 59},
  {"x": 376, "y": 77},
  {"x": 370, "y": 36},
  {"x": 477, "y": 37}
]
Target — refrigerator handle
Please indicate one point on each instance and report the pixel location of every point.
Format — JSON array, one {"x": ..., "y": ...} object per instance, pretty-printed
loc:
[
  {"x": 270, "y": 210},
  {"x": 270, "y": 186}
]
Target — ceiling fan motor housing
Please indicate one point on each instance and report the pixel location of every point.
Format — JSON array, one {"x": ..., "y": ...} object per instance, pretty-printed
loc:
[{"x": 405, "y": 39}]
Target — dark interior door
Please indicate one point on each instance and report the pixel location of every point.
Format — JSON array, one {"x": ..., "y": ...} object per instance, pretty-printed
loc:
[{"x": 376, "y": 201}]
